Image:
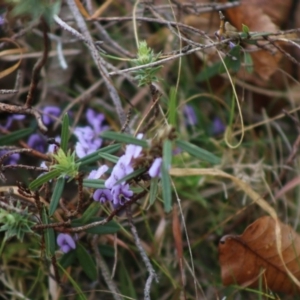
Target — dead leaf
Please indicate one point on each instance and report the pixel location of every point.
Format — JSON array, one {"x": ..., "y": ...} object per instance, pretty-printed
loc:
[
  {"x": 259, "y": 16},
  {"x": 252, "y": 257}
]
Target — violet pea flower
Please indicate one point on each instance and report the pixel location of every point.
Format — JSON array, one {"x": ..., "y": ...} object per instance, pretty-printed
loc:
[
  {"x": 48, "y": 112},
  {"x": 155, "y": 169},
  {"x": 65, "y": 242}
]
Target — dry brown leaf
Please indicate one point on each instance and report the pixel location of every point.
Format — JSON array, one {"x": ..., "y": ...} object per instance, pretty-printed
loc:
[
  {"x": 248, "y": 258},
  {"x": 259, "y": 16}
]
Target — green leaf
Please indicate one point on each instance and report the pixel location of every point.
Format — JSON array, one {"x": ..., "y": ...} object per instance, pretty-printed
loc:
[
  {"x": 58, "y": 189},
  {"x": 37, "y": 9},
  {"x": 198, "y": 152},
  {"x": 248, "y": 62},
  {"x": 67, "y": 259},
  {"x": 108, "y": 228},
  {"x": 93, "y": 157},
  {"x": 65, "y": 133},
  {"x": 166, "y": 181},
  {"x": 153, "y": 190},
  {"x": 109, "y": 157},
  {"x": 124, "y": 138},
  {"x": 87, "y": 263},
  {"x": 90, "y": 212},
  {"x": 233, "y": 60},
  {"x": 107, "y": 250},
  {"x": 15, "y": 136},
  {"x": 211, "y": 71},
  {"x": 43, "y": 179},
  {"x": 79, "y": 292},
  {"x": 49, "y": 235},
  {"x": 245, "y": 28},
  {"x": 172, "y": 107},
  {"x": 94, "y": 183}
]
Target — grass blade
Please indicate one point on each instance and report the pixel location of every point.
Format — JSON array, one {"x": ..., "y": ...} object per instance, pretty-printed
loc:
[
  {"x": 198, "y": 152},
  {"x": 65, "y": 133},
  {"x": 166, "y": 181},
  {"x": 15, "y": 136},
  {"x": 43, "y": 179},
  {"x": 123, "y": 138},
  {"x": 58, "y": 189}
]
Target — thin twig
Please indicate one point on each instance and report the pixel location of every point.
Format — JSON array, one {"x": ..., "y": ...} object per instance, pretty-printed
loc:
[
  {"x": 134, "y": 199},
  {"x": 5, "y": 92},
  {"x": 14, "y": 109},
  {"x": 38, "y": 66},
  {"x": 152, "y": 273},
  {"x": 104, "y": 270},
  {"x": 98, "y": 61}
]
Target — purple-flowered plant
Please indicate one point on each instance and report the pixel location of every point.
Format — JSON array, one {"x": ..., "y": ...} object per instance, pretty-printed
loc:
[
  {"x": 119, "y": 193},
  {"x": 155, "y": 169},
  {"x": 190, "y": 115},
  {"x": 37, "y": 142},
  {"x": 65, "y": 242},
  {"x": 11, "y": 159},
  {"x": 88, "y": 136},
  {"x": 218, "y": 126},
  {"x": 49, "y": 112},
  {"x": 103, "y": 195},
  {"x": 10, "y": 120}
]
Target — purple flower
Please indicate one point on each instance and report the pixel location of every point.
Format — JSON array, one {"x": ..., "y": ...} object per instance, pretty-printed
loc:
[
  {"x": 49, "y": 112},
  {"x": 88, "y": 141},
  {"x": 37, "y": 142},
  {"x": 11, "y": 159},
  {"x": 95, "y": 174},
  {"x": 103, "y": 195},
  {"x": 2, "y": 20},
  {"x": 190, "y": 115},
  {"x": 231, "y": 45},
  {"x": 10, "y": 120},
  {"x": 120, "y": 170},
  {"x": 88, "y": 136},
  {"x": 65, "y": 242},
  {"x": 53, "y": 147},
  {"x": 121, "y": 193},
  {"x": 95, "y": 120},
  {"x": 155, "y": 169},
  {"x": 217, "y": 126}
]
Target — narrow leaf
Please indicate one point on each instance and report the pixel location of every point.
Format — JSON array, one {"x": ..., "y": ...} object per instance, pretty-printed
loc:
[
  {"x": 49, "y": 235},
  {"x": 245, "y": 28},
  {"x": 172, "y": 107},
  {"x": 65, "y": 133},
  {"x": 108, "y": 228},
  {"x": 124, "y": 138},
  {"x": 166, "y": 181},
  {"x": 90, "y": 212},
  {"x": 93, "y": 157},
  {"x": 153, "y": 190},
  {"x": 77, "y": 288},
  {"x": 198, "y": 152},
  {"x": 94, "y": 183},
  {"x": 248, "y": 62},
  {"x": 68, "y": 259},
  {"x": 87, "y": 263},
  {"x": 43, "y": 179},
  {"x": 109, "y": 157},
  {"x": 15, "y": 136},
  {"x": 58, "y": 189}
]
